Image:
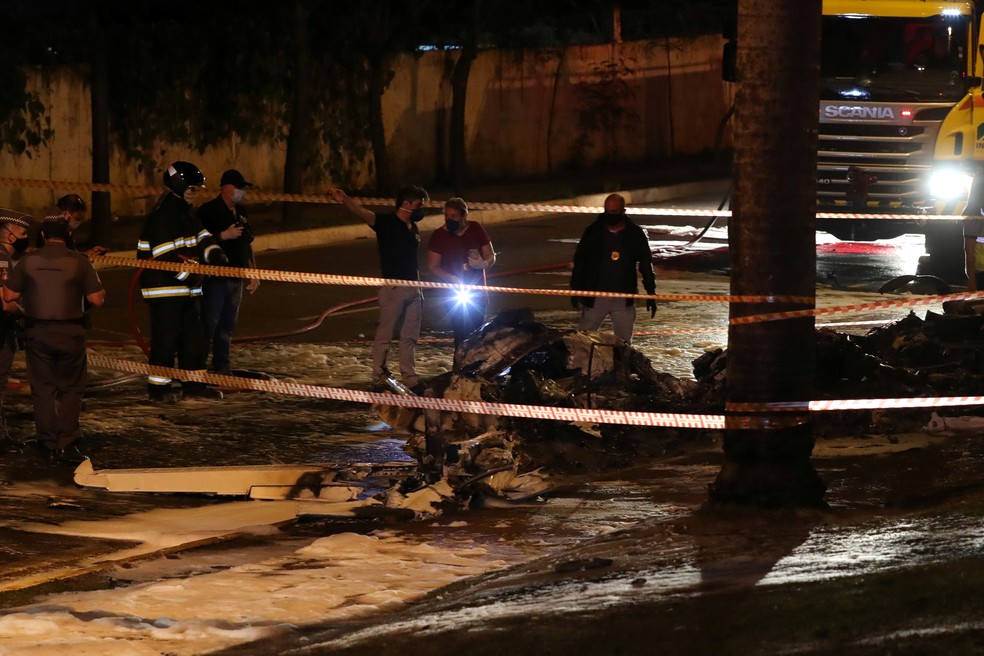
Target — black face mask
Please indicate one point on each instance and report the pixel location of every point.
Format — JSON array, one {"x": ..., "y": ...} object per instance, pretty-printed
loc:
[
  {"x": 417, "y": 214},
  {"x": 611, "y": 218},
  {"x": 20, "y": 245},
  {"x": 452, "y": 226}
]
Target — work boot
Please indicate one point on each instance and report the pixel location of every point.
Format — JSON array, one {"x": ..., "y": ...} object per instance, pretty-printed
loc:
[
  {"x": 200, "y": 391},
  {"x": 47, "y": 452},
  {"x": 70, "y": 455},
  {"x": 8, "y": 443},
  {"x": 163, "y": 396}
]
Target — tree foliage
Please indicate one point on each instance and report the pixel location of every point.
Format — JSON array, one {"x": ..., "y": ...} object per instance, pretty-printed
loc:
[
  {"x": 24, "y": 122},
  {"x": 197, "y": 74}
]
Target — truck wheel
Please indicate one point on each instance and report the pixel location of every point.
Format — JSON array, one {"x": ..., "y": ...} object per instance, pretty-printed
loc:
[{"x": 945, "y": 246}]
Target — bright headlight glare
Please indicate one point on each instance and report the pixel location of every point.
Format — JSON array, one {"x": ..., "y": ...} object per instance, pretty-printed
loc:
[
  {"x": 946, "y": 185},
  {"x": 462, "y": 296}
]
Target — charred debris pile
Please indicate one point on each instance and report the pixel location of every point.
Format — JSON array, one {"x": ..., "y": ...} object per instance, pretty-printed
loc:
[
  {"x": 515, "y": 359},
  {"x": 939, "y": 355}
]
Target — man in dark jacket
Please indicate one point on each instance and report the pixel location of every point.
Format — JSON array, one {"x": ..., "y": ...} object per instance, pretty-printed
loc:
[
  {"x": 172, "y": 234},
  {"x": 225, "y": 217},
  {"x": 605, "y": 260}
]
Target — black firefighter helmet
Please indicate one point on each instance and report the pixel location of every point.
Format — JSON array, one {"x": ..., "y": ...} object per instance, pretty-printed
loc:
[{"x": 181, "y": 175}]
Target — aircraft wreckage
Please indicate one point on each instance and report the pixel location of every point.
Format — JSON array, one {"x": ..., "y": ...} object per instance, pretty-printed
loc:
[{"x": 471, "y": 459}]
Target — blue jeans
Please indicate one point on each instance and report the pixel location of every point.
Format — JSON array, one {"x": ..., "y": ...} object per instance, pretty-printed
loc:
[{"x": 221, "y": 309}]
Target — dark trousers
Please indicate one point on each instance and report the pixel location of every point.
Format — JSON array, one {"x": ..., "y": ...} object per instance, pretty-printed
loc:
[
  {"x": 221, "y": 305},
  {"x": 176, "y": 331},
  {"x": 466, "y": 317},
  {"x": 56, "y": 369},
  {"x": 7, "y": 351}
]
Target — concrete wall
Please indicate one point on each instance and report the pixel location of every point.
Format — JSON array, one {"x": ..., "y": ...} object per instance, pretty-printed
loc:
[
  {"x": 527, "y": 109},
  {"x": 528, "y": 114}
]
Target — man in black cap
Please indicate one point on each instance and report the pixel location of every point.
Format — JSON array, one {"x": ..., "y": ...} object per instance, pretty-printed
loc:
[
  {"x": 51, "y": 284},
  {"x": 14, "y": 239},
  {"x": 225, "y": 217}
]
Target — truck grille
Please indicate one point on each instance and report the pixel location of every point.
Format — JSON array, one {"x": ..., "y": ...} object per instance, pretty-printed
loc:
[{"x": 898, "y": 154}]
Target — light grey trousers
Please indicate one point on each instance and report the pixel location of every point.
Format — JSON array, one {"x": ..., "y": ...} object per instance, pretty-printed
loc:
[
  {"x": 399, "y": 309},
  {"x": 623, "y": 316}
]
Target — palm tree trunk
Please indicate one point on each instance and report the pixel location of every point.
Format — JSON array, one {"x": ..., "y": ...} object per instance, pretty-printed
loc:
[
  {"x": 300, "y": 135},
  {"x": 459, "y": 92},
  {"x": 101, "y": 206},
  {"x": 772, "y": 241},
  {"x": 378, "y": 70}
]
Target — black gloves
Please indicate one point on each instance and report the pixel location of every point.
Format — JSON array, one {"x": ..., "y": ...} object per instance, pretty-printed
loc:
[
  {"x": 217, "y": 257},
  {"x": 651, "y": 306}
]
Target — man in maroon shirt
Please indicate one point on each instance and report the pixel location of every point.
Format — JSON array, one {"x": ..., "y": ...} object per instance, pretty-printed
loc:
[{"x": 459, "y": 252}]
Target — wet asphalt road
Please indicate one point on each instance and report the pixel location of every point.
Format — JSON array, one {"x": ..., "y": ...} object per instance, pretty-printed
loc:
[{"x": 126, "y": 432}]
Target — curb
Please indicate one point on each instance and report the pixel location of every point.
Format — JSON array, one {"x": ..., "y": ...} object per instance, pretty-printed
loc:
[{"x": 335, "y": 234}]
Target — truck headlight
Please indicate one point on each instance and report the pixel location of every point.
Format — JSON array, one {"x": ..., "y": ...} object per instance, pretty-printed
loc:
[{"x": 947, "y": 184}]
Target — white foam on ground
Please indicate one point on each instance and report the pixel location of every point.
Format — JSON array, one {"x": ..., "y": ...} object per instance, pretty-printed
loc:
[{"x": 339, "y": 577}]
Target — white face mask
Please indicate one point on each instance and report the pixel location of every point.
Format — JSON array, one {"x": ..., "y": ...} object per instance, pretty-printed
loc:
[{"x": 238, "y": 195}]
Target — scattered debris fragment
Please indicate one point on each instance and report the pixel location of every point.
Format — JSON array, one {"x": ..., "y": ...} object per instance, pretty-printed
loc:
[{"x": 324, "y": 482}]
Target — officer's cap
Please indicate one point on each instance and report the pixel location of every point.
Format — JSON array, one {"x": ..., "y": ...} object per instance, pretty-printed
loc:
[{"x": 16, "y": 218}]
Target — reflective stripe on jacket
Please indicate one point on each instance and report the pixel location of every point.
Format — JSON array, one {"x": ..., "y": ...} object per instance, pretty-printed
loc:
[{"x": 171, "y": 233}]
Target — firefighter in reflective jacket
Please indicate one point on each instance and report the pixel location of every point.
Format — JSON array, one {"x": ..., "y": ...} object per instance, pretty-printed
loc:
[{"x": 171, "y": 233}]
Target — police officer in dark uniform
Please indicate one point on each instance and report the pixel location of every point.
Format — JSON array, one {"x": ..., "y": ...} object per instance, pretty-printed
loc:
[
  {"x": 52, "y": 284},
  {"x": 15, "y": 230},
  {"x": 171, "y": 233}
]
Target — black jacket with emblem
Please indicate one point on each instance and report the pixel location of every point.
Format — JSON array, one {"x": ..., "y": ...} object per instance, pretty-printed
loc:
[{"x": 590, "y": 255}]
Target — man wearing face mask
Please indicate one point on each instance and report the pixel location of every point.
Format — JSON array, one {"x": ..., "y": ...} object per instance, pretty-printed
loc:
[
  {"x": 605, "y": 260},
  {"x": 225, "y": 217},
  {"x": 171, "y": 233},
  {"x": 459, "y": 252},
  {"x": 14, "y": 230},
  {"x": 73, "y": 208},
  {"x": 398, "y": 239}
]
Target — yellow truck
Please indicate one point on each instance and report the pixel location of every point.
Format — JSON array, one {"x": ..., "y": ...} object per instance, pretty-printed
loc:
[{"x": 901, "y": 120}]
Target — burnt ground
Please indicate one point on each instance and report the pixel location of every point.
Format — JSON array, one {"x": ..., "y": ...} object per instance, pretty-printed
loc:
[{"x": 894, "y": 566}]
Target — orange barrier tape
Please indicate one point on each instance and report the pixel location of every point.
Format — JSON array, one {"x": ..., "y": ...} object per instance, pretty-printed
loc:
[
  {"x": 132, "y": 190},
  {"x": 546, "y": 208},
  {"x": 662, "y": 419},
  {"x": 365, "y": 281},
  {"x": 683, "y": 331},
  {"x": 678, "y": 331},
  {"x": 667, "y": 419},
  {"x": 861, "y": 307},
  {"x": 858, "y": 404}
]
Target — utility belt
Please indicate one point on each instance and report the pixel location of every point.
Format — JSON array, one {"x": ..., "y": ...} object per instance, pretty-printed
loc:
[{"x": 30, "y": 322}]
